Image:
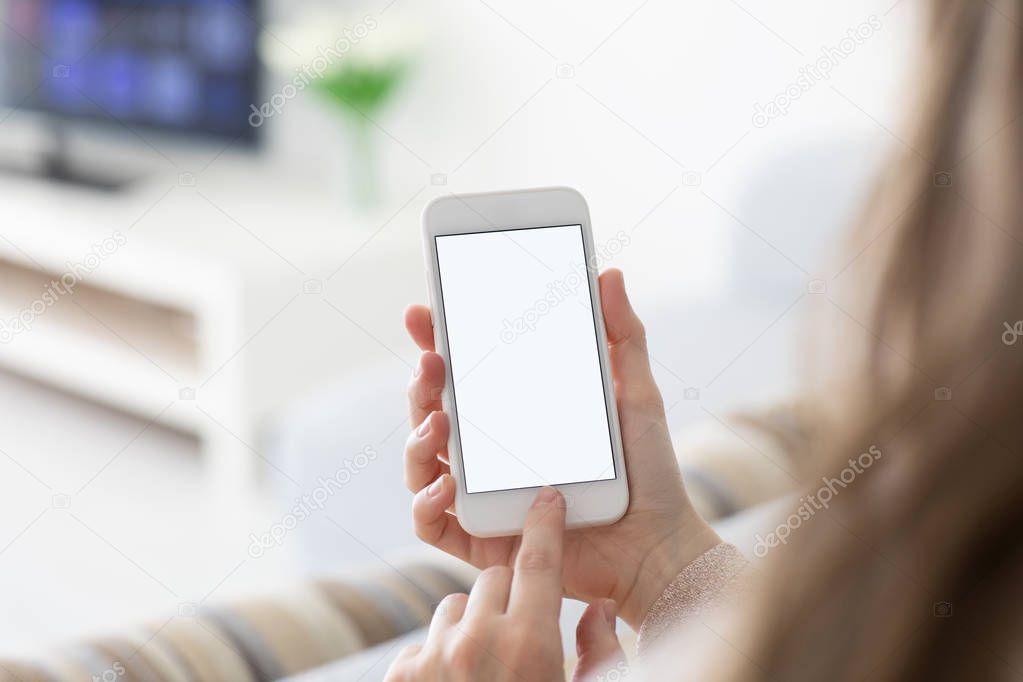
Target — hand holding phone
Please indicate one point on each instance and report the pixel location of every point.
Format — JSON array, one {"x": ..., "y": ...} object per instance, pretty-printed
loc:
[{"x": 631, "y": 560}]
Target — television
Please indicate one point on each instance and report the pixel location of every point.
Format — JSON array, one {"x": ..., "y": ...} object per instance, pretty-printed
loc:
[{"x": 184, "y": 67}]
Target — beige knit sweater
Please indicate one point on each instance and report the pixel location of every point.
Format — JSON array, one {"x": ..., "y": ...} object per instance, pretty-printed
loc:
[{"x": 713, "y": 577}]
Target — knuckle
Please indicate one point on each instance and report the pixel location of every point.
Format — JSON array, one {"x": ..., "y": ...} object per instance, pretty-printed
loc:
[
  {"x": 418, "y": 452},
  {"x": 475, "y": 629},
  {"x": 644, "y": 396},
  {"x": 450, "y": 603},
  {"x": 402, "y": 669},
  {"x": 422, "y": 394},
  {"x": 426, "y": 532},
  {"x": 525, "y": 643},
  {"x": 462, "y": 655},
  {"x": 413, "y": 391},
  {"x": 653, "y": 400},
  {"x": 411, "y": 451},
  {"x": 535, "y": 560},
  {"x": 631, "y": 332},
  {"x": 637, "y": 333},
  {"x": 496, "y": 573}
]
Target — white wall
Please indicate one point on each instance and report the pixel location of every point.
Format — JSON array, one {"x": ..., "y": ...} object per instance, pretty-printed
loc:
[{"x": 660, "y": 89}]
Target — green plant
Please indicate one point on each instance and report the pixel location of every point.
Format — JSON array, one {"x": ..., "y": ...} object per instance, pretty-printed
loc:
[{"x": 362, "y": 88}]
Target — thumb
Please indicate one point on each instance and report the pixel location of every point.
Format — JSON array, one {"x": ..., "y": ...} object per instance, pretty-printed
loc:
[
  {"x": 626, "y": 337},
  {"x": 596, "y": 642}
]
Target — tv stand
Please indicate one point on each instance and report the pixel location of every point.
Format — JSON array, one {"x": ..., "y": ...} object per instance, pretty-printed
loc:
[
  {"x": 58, "y": 164},
  {"x": 195, "y": 323}
]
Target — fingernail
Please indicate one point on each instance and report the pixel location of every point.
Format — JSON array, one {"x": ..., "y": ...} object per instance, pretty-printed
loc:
[
  {"x": 424, "y": 428},
  {"x": 610, "y": 612},
  {"x": 418, "y": 370},
  {"x": 546, "y": 495},
  {"x": 436, "y": 487}
]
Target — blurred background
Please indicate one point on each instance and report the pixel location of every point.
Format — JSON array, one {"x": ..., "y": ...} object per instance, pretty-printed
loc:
[{"x": 209, "y": 215}]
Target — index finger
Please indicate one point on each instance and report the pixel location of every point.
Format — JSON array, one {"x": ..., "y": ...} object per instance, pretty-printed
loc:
[{"x": 536, "y": 586}]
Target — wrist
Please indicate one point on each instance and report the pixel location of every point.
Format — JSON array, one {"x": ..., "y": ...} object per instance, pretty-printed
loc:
[{"x": 666, "y": 560}]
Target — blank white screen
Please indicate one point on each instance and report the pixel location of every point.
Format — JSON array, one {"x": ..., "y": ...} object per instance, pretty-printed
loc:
[{"x": 527, "y": 383}]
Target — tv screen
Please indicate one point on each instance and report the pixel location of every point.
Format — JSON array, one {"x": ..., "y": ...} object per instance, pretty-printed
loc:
[{"x": 188, "y": 66}]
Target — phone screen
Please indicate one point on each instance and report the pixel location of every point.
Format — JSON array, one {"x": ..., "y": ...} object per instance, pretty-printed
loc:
[{"x": 522, "y": 340}]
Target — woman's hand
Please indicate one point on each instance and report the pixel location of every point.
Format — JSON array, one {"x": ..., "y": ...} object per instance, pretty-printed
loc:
[
  {"x": 631, "y": 561},
  {"x": 507, "y": 628}
]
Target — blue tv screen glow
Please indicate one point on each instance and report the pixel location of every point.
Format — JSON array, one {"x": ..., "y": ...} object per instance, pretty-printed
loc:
[{"x": 189, "y": 66}]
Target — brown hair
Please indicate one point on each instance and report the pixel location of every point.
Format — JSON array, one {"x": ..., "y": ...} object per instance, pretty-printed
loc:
[{"x": 916, "y": 569}]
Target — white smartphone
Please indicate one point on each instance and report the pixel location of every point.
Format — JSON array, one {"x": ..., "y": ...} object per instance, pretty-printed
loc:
[{"x": 517, "y": 319}]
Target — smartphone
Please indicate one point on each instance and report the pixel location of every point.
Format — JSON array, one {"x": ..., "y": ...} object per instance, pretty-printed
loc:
[{"x": 517, "y": 318}]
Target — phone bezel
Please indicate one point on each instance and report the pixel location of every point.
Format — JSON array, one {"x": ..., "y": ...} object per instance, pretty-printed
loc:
[{"x": 503, "y": 512}]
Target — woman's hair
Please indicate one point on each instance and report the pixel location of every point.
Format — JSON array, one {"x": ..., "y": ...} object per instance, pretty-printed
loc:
[{"x": 915, "y": 571}]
